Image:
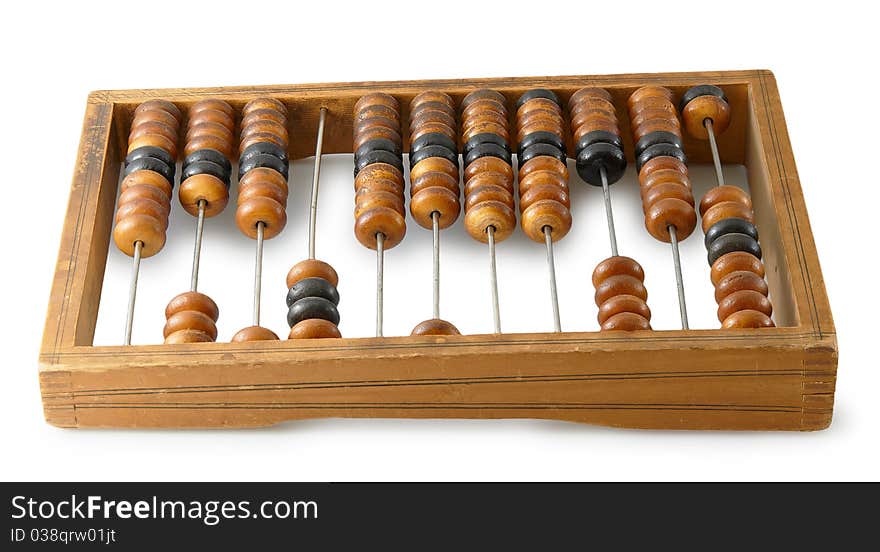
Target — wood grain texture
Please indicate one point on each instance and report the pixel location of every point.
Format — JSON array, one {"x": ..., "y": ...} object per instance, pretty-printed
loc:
[{"x": 776, "y": 378}]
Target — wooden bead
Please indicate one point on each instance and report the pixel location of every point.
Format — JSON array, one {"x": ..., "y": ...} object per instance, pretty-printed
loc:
[
  {"x": 374, "y": 133},
  {"x": 670, "y": 212},
  {"x": 657, "y": 125},
  {"x": 738, "y": 281},
  {"x": 148, "y": 128},
  {"x": 546, "y": 213},
  {"x": 706, "y": 107},
  {"x": 649, "y": 91},
  {"x": 428, "y": 116},
  {"x": 432, "y": 96},
  {"x": 208, "y": 142},
  {"x": 488, "y": 164},
  {"x": 720, "y": 194},
  {"x": 210, "y": 128},
  {"x": 488, "y": 179},
  {"x": 381, "y": 185},
  {"x": 542, "y": 177},
  {"x": 734, "y": 262},
  {"x": 207, "y": 188},
  {"x": 376, "y": 98},
  {"x": 256, "y": 188},
  {"x": 480, "y": 194},
  {"x": 260, "y": 209},
  {"x": 743, "y": 300},
  {"x": 435, "y": 326},
  {"x": 311, "y": 268},
  {"x": 536, "y": 104},
  {"x": 487, "y": 127},
  {"x": 373, "y": 200},
  {"x": 484, "y": 116},
  {"x": 155, "y": 140},
  {"x": 620, "y": 284},
  {"x": 314, "y": 328},
  {"x": 193, "y": 301},
  {"x": 666, "y": 190},
  {"x": 263, "y": 115},
  {"x": 139, "y": 228},
  {"x": 144, "y": 191},
  {"x": 382, "y": 170},
  {"x": 623, "y": 303},
  {"x": 211, "y": 104},
  {"x": 660, "y": 163},
  {"x": 261, "y": 174},
  {"x": 431, "y": 200},
  {"x": 600, "y": 124},
  {"x": 747, "y": 319},
  {"x": 381, "y": 220},
  {"x": 376, "y": 121},
  {"x": 143, "y": 206},
  {"x": 660, "y": 176},
  {"x": 188, "y": 336},
  {"x": 154, "y": 115},
  {"x": 497, "y": 214},
  {"x": 377, "y": 110},
  {"x": 161, "y": 105},
  {"x": 616, "y": 266},
  {"x": 216, "y": 116},
  {"x": 190, "y": 320},
  {"x": 264, "y": 103},
  {"x": 266, "y": 126},
  {"x": 431, "y": 179},
  {"x": 543, "y": 163},
  {"x": 254, "y": 333},
  {"x": 149, "y": 178},
  {"x": 542, "y": 191},
  {"x": 626, "y": 321},
  {"x": 483, "y": 94},
  {"x": 725, "y": 210},
  {"x": 588, "y": 92}
]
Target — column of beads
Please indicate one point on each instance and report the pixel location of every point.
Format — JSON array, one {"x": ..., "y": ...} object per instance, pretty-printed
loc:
[
  {"x": 262, "y": 189},
  {"x": 731, "y": 237},
  {"x": 204, "y": 193},
  {"x": 434, "y": 192},
  {"x": 619, "y": 281}
]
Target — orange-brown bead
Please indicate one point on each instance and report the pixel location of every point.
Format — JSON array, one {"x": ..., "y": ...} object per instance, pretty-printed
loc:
[
  {"x": 314, "y": 328},
  {"x": 254, "y": 333},
  {"x": 435, "y": 326}
]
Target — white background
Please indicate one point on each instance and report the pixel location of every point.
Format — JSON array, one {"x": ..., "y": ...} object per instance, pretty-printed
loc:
[{"x": 52, "y": 56}]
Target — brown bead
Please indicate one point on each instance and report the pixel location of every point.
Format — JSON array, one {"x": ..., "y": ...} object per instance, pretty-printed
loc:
[
  {"x": 311, "y": 268},
  {"x": 432, "y": 165},
  {"x": 314, "y": 328},
  {"x": 193, "y": 301},
  {"x": 376, "y": 98},
  {"x": 263, "y": 115},
  {"x": 161, "y": 105},
  {"x": 261, "y": 187},
  {"x": 623, "y": 303},
  {"x": 380, "y": 185},
  {"x": 541, "y": 125},
  {"x": 382, "y": 220},
  {"x": 430, "y": 179},
  {"x": 542, "y": 191},
  {"x": 586, "y": 93},
  {"x": 497, "y": 214},
  {"x": 374, "y": 200},
  {"x": 660, "y": 163},
  {"x": 377, "y": 132},
  {"x": 664, "y": 112},
  {"x": 144, "y": 191},
  {"x": 485, "y": 116},
  {"x": 542, "y": 177},
  {"x": 626, "y": 321},
  {"x": 487, "y": 127},
  {"x": 153, "y": 127},
  {"x": 435, "y": 326},
  {"x": 670, "y": 212},
  {"x": 208, "y": 142},
  {"x": 747, "y": 319},
  {"x": 427, "y": 116},
  {"x": 190, "y": 320},
  {"x": 743, "y": 300},
  {"x": 187, "y": 336},
  {"x": 150, "y": 178},
  {"x": 659, "y": 176},
  {"x": 734, "y": 262},
  {"x": 155, "y": 140},
  {"x": 546, "y": 213},
  {"x": 377, "y": 110},
  {"x": 260, "y": 210},
  {"x": 155, "y": 115},
  {"x": 620, "y": 284},
  {"x": 259, "y": 138},
  {"x": 536, "y": 104},
  {"x": 211, "y": 104},
  {"x": 720, "y": 194},
  {"x": 738, "y": 281},
  {"x": 432, "y": 96},
  {"x": 261, "y": 174},
  {"x": 667, "y": 190},
  {"x": 254, "y": 333},
  {"x": 544, "y": 163},
  {"x": 616, "y": 266},
  {"x": 599, "y": 124},
  {"x": 488, "y": 193},
  {"x": 592, "y": 118},
  {"x": 483, "y": 94},
  {"x": 488, "y": 164},
  {"x": 725, "y": 210},
  {"x": 203, "y": 187},
  {"x": 139, "y": 228},
  {"x": 658, "y": 125},
  {"x": 480, "y": 107},
  {"x": 143, "y": 206},
  {"x": 649, "y": 91},
  {"x": 376, "y": 121},
  {"x": 265, "y": 126},
  {"x": 432, "y": 200},
  {"x": 210, "y": 128},
  {"x": 264, "y": 103},
  {"x": 701, "y": 108},
  {"x": 384, "y": 170},
  {"x": 213, "y": 117}
]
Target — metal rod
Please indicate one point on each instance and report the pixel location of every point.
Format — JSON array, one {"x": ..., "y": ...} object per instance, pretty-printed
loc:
[
  {"x": 609, "y": 214},
  {"x": 551, "y": 265},
  {"x": 197, "y": 248},
  {"x": 258, "y": 273},
  {"x": 716, "y": 158},
  {"x": 493, "y": 279},
  {"x": 435, "y": 219},
  {"x": 380, "y": 281},
  {"x": 132, "y": 290},
  {"x": 316, "y": 175},
  {"x": 679, "y": 280}
]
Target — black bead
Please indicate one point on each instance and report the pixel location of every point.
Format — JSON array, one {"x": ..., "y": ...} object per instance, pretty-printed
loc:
[
  {"x": 657, "y": 137},
  {"x": 151, "y": 164},
  {"x": 485, "y": 138},
  {"x": 592, "y": 158},
  {"x": 312, "y": 287},
  {"x": 150, "y": 151},
  {"x": 541, "y": 137},
  {"x": 733, "y": 242},
  {"x": 486, "y": 149},
  {"x": 599, "y": 136},
  {"x": 432, "y": 139},
  {"x": 263, "y": 160},
  {"x": 538, "y": 150},
  {"x": 659, "y": 150},
  {"x": 205, "y": 167},
  {"x": 377, "y": 156},
  {"x": 433, "y": 151},
  {"x": 312, "y": 307},
  {"x": 731, "y": 225},
  {"x": 700, "y": 90},
  {"x": 208, "y": 155},
  {"x": 259, "y": 148},
  {"x": 537, "y": 93},
  {"x": 383, "y": 144}
]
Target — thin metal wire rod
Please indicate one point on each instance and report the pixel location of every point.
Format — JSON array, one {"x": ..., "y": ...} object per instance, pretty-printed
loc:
[
  {"x": 197, "y": 248},
  {"x": 380, "y": 281},
  {"x": 609, "y": 214},
  {"x": 679, "y": 280},
  {"x": 316, "y": 175},
  {"x": 716, "y": 158},
  {"x": 493, "y": 279},
  {"x": 551, "y": 265},
  {"x": 132, "y": 290},
  {"x": 435, "y": 219},
  {"x": 258, "y": 273}
]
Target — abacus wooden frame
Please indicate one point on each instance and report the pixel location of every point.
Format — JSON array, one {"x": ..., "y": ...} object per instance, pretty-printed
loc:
[{"x": 781, "y": 378}]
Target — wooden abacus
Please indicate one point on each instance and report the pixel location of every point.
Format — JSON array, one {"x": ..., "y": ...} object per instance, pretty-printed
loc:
[{"x": 744, "y": 375}]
